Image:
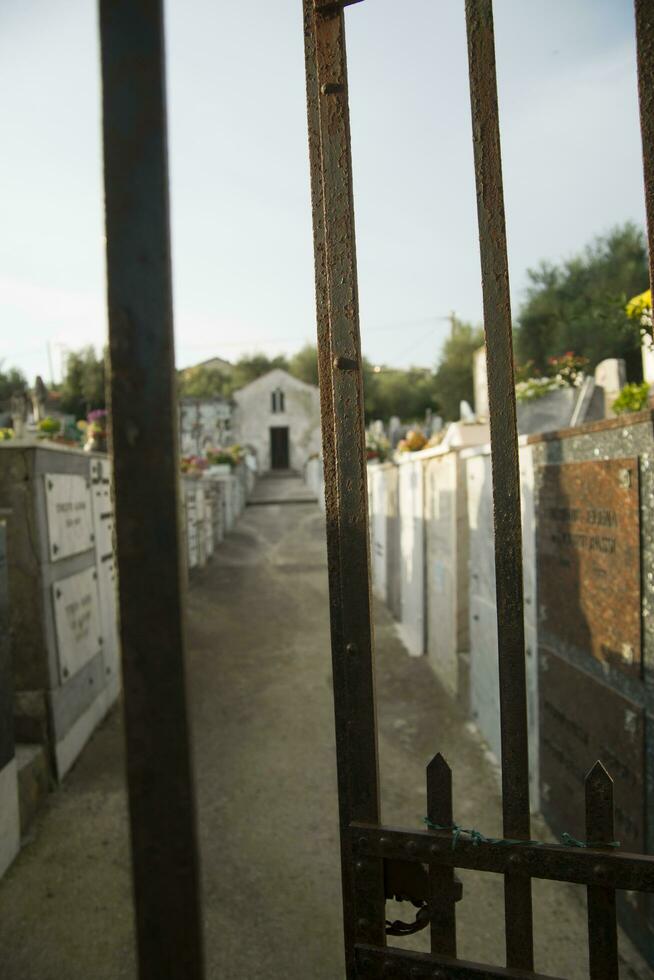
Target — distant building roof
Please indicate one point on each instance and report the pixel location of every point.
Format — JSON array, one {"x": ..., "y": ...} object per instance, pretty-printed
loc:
[
  {"x": 274, "y": 376},
  {"x": 213, "y": 363}
]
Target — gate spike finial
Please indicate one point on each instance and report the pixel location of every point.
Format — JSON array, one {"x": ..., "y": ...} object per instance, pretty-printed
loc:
[
  {"x": 599, "y": 774},
  {"x": 438, "y": 765},
  {"x": 602, "y": 928}
]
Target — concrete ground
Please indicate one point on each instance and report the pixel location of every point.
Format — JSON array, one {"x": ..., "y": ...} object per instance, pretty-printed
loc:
[{"x": 260, "y": 688}]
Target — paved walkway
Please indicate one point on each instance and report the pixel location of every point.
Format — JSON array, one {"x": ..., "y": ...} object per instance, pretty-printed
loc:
[
  {"x": 264, "y": 755},
  {"x": 282, "y": 487}
]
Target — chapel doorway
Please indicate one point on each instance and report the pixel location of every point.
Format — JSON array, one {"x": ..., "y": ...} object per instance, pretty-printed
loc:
[{"x": 279, "y": 457}]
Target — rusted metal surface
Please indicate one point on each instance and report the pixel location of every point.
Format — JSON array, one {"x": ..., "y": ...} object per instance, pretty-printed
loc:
[
  {"x": 367, "y": 846},
  {"x": 505, "y": 467},
  {"x": 588, "y": 555},
  {"x": 602, "y": 925},
  {"x": 144, "y": 425},
  {"x": 555, "y": 862},
  {"x": 582, "y": 720},
  {"x": 339, "y": 361},
  {"x": 398, "y": 964},
  {"x": 442, "y": 891},
  {"x": 645, "y": 59}
]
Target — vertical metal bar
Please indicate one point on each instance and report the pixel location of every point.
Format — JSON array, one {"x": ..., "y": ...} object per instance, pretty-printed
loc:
[
  {"x": 329, "y": 467},
  {"x": 442, "y": 906},
  {"x": 506, "y": 474},
  {"x": 339, "y": 358},
  {"x": 144, "y": 438},
  {"x": 644, "y": 11},
  {"x": 602, "y": 928}
]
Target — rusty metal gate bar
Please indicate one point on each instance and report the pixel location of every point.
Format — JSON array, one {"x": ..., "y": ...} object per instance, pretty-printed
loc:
[
  {"x": 644, "y": 11},
  {"x": 341, "y": 389},
  {"x": 145, "y": 453},
  {"x": 505, "y": 468},
  {"x": 367, "y": 843}
]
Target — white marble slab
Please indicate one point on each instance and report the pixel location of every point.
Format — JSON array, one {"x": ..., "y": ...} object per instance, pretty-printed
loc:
[
  {"x": 412, "y": 557},
  {"x": 9, "y": 816},
  {"x": 441, "y": 567},
  {"x": 69, "y": 515},
  {"x": 377, "y": 483},
  {"x": 69, "y": 747},
  {"x": 108, "y": 591},
  {"x": 484, "y": 674},
  {"x": 77, "y": 621}
]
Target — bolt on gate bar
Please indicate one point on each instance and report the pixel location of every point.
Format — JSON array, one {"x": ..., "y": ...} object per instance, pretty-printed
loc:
[{"x": 369, "y": 850}]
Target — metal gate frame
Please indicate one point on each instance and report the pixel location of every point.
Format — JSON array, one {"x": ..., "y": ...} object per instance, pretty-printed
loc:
[
  {"x": 144, "y": 423},
  {"x": 379, "y": 861},
  {"x": 376, "y": 860}
]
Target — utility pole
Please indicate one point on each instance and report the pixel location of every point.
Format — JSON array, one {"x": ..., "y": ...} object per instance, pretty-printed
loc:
[{"x": 50, "y": 364}]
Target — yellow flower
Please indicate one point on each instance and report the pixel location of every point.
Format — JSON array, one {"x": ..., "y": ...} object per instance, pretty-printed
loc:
[{"x": 639, "y": 304}]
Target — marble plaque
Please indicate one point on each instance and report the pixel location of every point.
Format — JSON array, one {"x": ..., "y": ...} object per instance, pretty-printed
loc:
[
  {"x": 588, "y": 548},
  {"x": 583, "y": 720},
  {"x": 70, "y": 520},
  {"x": 77, "y": 620}
]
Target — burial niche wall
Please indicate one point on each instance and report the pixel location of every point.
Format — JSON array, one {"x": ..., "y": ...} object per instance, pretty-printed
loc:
[{"x": 594, "y": 497}]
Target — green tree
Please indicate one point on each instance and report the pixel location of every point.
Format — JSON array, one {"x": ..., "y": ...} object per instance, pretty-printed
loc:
[
  {"x": 304, "y": 364},
  {"x": 387, "y": 391},
  {"x": 454, "y": 378},
  {"x": 12, "y": 382},
  {"x": 579, "y": 305},
  {"x": 83, "y": 387},
  {"x": 395, "y": 391},
  {"x": 204, "y": 382},
  {"x": 253, "y": 366}
]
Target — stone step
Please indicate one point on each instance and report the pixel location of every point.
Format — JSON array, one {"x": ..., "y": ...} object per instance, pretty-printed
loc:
[{"x": 34, "y": 781}]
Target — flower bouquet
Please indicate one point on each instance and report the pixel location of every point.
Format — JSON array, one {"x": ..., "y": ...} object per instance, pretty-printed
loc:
[{"x": 96, "y": 431}]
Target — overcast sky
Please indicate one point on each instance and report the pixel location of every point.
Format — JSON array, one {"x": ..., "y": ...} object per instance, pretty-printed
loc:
[{"x": 242, "y": 247}]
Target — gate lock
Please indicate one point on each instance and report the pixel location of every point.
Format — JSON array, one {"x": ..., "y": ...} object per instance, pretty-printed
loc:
[{"x": 408, "y": 881}]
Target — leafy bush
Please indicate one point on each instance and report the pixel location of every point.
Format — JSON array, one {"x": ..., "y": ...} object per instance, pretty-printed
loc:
[
  {"x": 569, "y": 368},
  {"x": 579, "y": 304},
  {"x": 220, "y": 457},
  {"x": 566, "y": 371},
  {"x": 49, "y": 426},
  {"x": 632, "y": 398},
  {"x": 533, "y": 388}
]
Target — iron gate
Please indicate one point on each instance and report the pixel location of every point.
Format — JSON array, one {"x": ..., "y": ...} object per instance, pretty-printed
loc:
[{"x": 377, "y": 861}]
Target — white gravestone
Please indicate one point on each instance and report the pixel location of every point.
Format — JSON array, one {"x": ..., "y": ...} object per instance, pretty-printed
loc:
[
  {"x": 480, "y": 382},
  {"x": 68, "y": 508},
  {"x": 77, "y": 620},
  {"x": 611, "y": 375}
]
